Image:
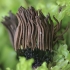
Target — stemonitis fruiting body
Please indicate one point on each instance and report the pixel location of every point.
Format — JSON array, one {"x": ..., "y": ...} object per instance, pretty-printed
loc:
[{"x": 34, "y": 33}]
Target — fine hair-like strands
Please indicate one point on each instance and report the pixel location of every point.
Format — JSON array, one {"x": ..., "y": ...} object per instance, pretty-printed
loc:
[{"x": 32, "y": 29}]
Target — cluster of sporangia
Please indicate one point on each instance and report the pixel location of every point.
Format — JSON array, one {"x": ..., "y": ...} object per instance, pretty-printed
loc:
[{"x": 32, "y": 34}]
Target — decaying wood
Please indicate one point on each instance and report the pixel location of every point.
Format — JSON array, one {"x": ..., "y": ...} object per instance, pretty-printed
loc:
[{"x": 33, "y": 30}]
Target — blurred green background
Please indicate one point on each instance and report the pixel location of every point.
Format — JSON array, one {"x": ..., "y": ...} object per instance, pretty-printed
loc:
[{"x": 7, "y": 53}]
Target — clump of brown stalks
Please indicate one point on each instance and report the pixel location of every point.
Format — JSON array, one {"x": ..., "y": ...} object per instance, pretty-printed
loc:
[{"x": 31, "y": 29}]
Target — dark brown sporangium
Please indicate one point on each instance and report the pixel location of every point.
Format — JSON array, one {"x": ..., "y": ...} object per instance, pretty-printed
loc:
[{"x": 34, "y": 33}]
